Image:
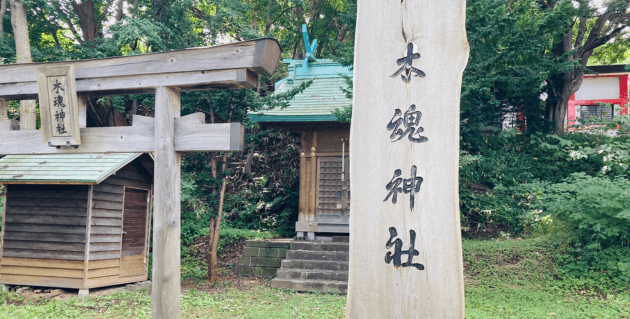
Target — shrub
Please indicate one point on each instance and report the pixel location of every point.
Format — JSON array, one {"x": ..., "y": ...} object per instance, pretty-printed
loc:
[{"x": 596, "y": 208}]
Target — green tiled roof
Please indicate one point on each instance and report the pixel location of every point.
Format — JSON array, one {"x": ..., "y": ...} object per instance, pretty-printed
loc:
[
  {"x": 66, "y": 168},
  {"x": 317, "y": 102}
]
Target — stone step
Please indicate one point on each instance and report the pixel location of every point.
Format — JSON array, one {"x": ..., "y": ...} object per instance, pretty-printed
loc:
[
  {"x": 305, "y": 274},
  {"x": 311, "y": 285},
  {"x": 320, "y": 246},
  {"x": 317, "y": 255},
  {"x": 341, "y": 239},
  {"x": 314, "y": 265}
]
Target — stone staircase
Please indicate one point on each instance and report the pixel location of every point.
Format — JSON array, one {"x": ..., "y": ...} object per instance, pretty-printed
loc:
[{"x": 315, "y": 266}]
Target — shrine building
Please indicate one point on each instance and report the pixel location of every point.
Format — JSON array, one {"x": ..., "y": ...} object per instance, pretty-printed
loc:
[
  {"x": 603, "y": 94},
  {"x": 324, "y": 207},
  {"x": 75, "y": 220}
]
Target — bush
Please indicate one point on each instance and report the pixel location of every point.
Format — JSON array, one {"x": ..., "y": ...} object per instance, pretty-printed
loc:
[{"x": 596, "y": 208}]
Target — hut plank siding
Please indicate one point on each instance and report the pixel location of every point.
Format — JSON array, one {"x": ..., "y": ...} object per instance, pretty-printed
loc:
[
  {"x": 104, "y": 231},
  {"x": 48, "y": 211},
  {"x": 44, "y": 246},
  {"x": 104, "y": 255},
  {"x": 19, "y": 253},
  {"x": 106, "y": 213},
  {"x": 47, "y": 237},
  {"x": 46, "y": 281},
  {"x": 42, "y": 263},
  {"x": 108, "y": 188},
  {"x": 60, "y": 202},
  {"x": 61, "y": 229},
  {"x": 103, "y": 272},
  {"x": 94, "y": 238},
  {"x": 47, "y": 220},
  {"x": 114, "y": 180},
  {"x": 106, "y": 222},
  {"x": 49, "y": 272},
  {"x": 106, "y": 263},
  {"x": 101, "y": 204},
  {"x": 107, "y": 196},
  {"x": 94, "y": 247},
  {"x": 113, "y": 280}
]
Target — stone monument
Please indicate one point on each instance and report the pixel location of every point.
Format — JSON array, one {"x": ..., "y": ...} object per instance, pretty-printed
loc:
[{"x": 405, "y": 243}]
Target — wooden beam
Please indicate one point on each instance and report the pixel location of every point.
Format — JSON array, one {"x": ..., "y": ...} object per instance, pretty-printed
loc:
[
  {"x": 143, "y": 84},
  {"x": 186, "y": 68},
  {"x": 166, "y": 222},
  {"x": 129, "y": 139}
]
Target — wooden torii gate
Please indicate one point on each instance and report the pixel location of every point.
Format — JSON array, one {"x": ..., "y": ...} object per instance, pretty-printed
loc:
[{"x": 167, "y": 74}]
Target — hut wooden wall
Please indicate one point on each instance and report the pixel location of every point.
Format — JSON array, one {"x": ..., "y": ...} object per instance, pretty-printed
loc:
[
  {"x": 44, "y": 235},
  {"x": 106, "y": 226}
]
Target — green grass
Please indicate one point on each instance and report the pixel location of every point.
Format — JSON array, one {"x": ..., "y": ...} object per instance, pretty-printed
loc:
[
  {"x": 517, "y": 279},
  {"x": 258, "y": 303},
  {"x": 504, "y": 279}
]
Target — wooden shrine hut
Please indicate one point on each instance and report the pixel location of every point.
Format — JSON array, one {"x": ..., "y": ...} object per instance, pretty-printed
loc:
[
  {"x": 324, "y": 206},
  {"x": 76, "y": 220}
]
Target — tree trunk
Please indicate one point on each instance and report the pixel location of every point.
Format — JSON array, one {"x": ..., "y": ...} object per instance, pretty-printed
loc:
[
  {"x": 3, "y": 10},
  {"x": 119, "y": 10},
  {"x": 28, "y": 112},
  {"x": 213, "y": 266},
  {"x": 87, "y": 21}
]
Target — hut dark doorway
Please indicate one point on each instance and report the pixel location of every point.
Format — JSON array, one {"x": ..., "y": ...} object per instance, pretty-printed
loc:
[
  {"x": 133, "y": 261},
  {"x": 333, "y": 184}
]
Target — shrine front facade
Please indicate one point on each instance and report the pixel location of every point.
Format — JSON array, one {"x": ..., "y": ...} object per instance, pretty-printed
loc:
[{"x": 324, "y": 207}]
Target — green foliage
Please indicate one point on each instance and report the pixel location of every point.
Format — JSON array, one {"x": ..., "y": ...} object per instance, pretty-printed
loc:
[
  {"x": 344, "y": 114},
  {"x": 597, "y": 208}
]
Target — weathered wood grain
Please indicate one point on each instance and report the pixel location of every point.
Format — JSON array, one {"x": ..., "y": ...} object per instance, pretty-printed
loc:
[
  {"x": 43, "y": 254},
  {"x": 61, "y": 229},
  {"x": 190, "y": 69},
  {"x": 114, "y": 280},
  {"x": 43, "y": 281},
  {"x": 42, "y": 263},
  {"x": 167, "y": 210},
  {"x": 40, "y": 245},
  {"x": 145, "y": 84},
  {"x": 128, "y": 139},
  {"x": 99, "y": 264},
  {"x": 436, "y": 32},
  {"x": 47, "y": 272}
]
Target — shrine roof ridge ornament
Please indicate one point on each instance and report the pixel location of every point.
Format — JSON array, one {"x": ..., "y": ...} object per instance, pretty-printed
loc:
[{"x": 226, "y": 66}]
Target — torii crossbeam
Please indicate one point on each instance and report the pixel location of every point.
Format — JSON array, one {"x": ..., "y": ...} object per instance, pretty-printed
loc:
[{"x": 167, "y": 74}]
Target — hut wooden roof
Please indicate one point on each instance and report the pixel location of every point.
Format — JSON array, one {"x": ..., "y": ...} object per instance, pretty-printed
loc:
[{"x": 62, "y": 169}]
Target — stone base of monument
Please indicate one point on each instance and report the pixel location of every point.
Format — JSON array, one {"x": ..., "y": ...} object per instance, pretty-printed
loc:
[{"x": 315, "y": 266}]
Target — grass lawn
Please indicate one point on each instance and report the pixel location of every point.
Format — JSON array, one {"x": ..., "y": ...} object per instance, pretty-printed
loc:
[{"x": 504, "y": 279}]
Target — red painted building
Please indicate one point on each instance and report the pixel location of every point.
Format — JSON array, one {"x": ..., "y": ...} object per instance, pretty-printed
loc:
[{"x": 603, "y": 94}]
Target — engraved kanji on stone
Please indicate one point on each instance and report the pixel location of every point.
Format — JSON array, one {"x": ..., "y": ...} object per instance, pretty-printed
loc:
[
  {"x": 407, "y": 65},
  {"x": 409, "y": 186},
  {"x": 57, "y": 87},
  {"x": 61, "y": 129},
  {"x": 398, "y": 252},
  {"x": 60, "y": 115},
  {"x": 58, "y": 101},
  {"x": 407, "y": 124}
]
